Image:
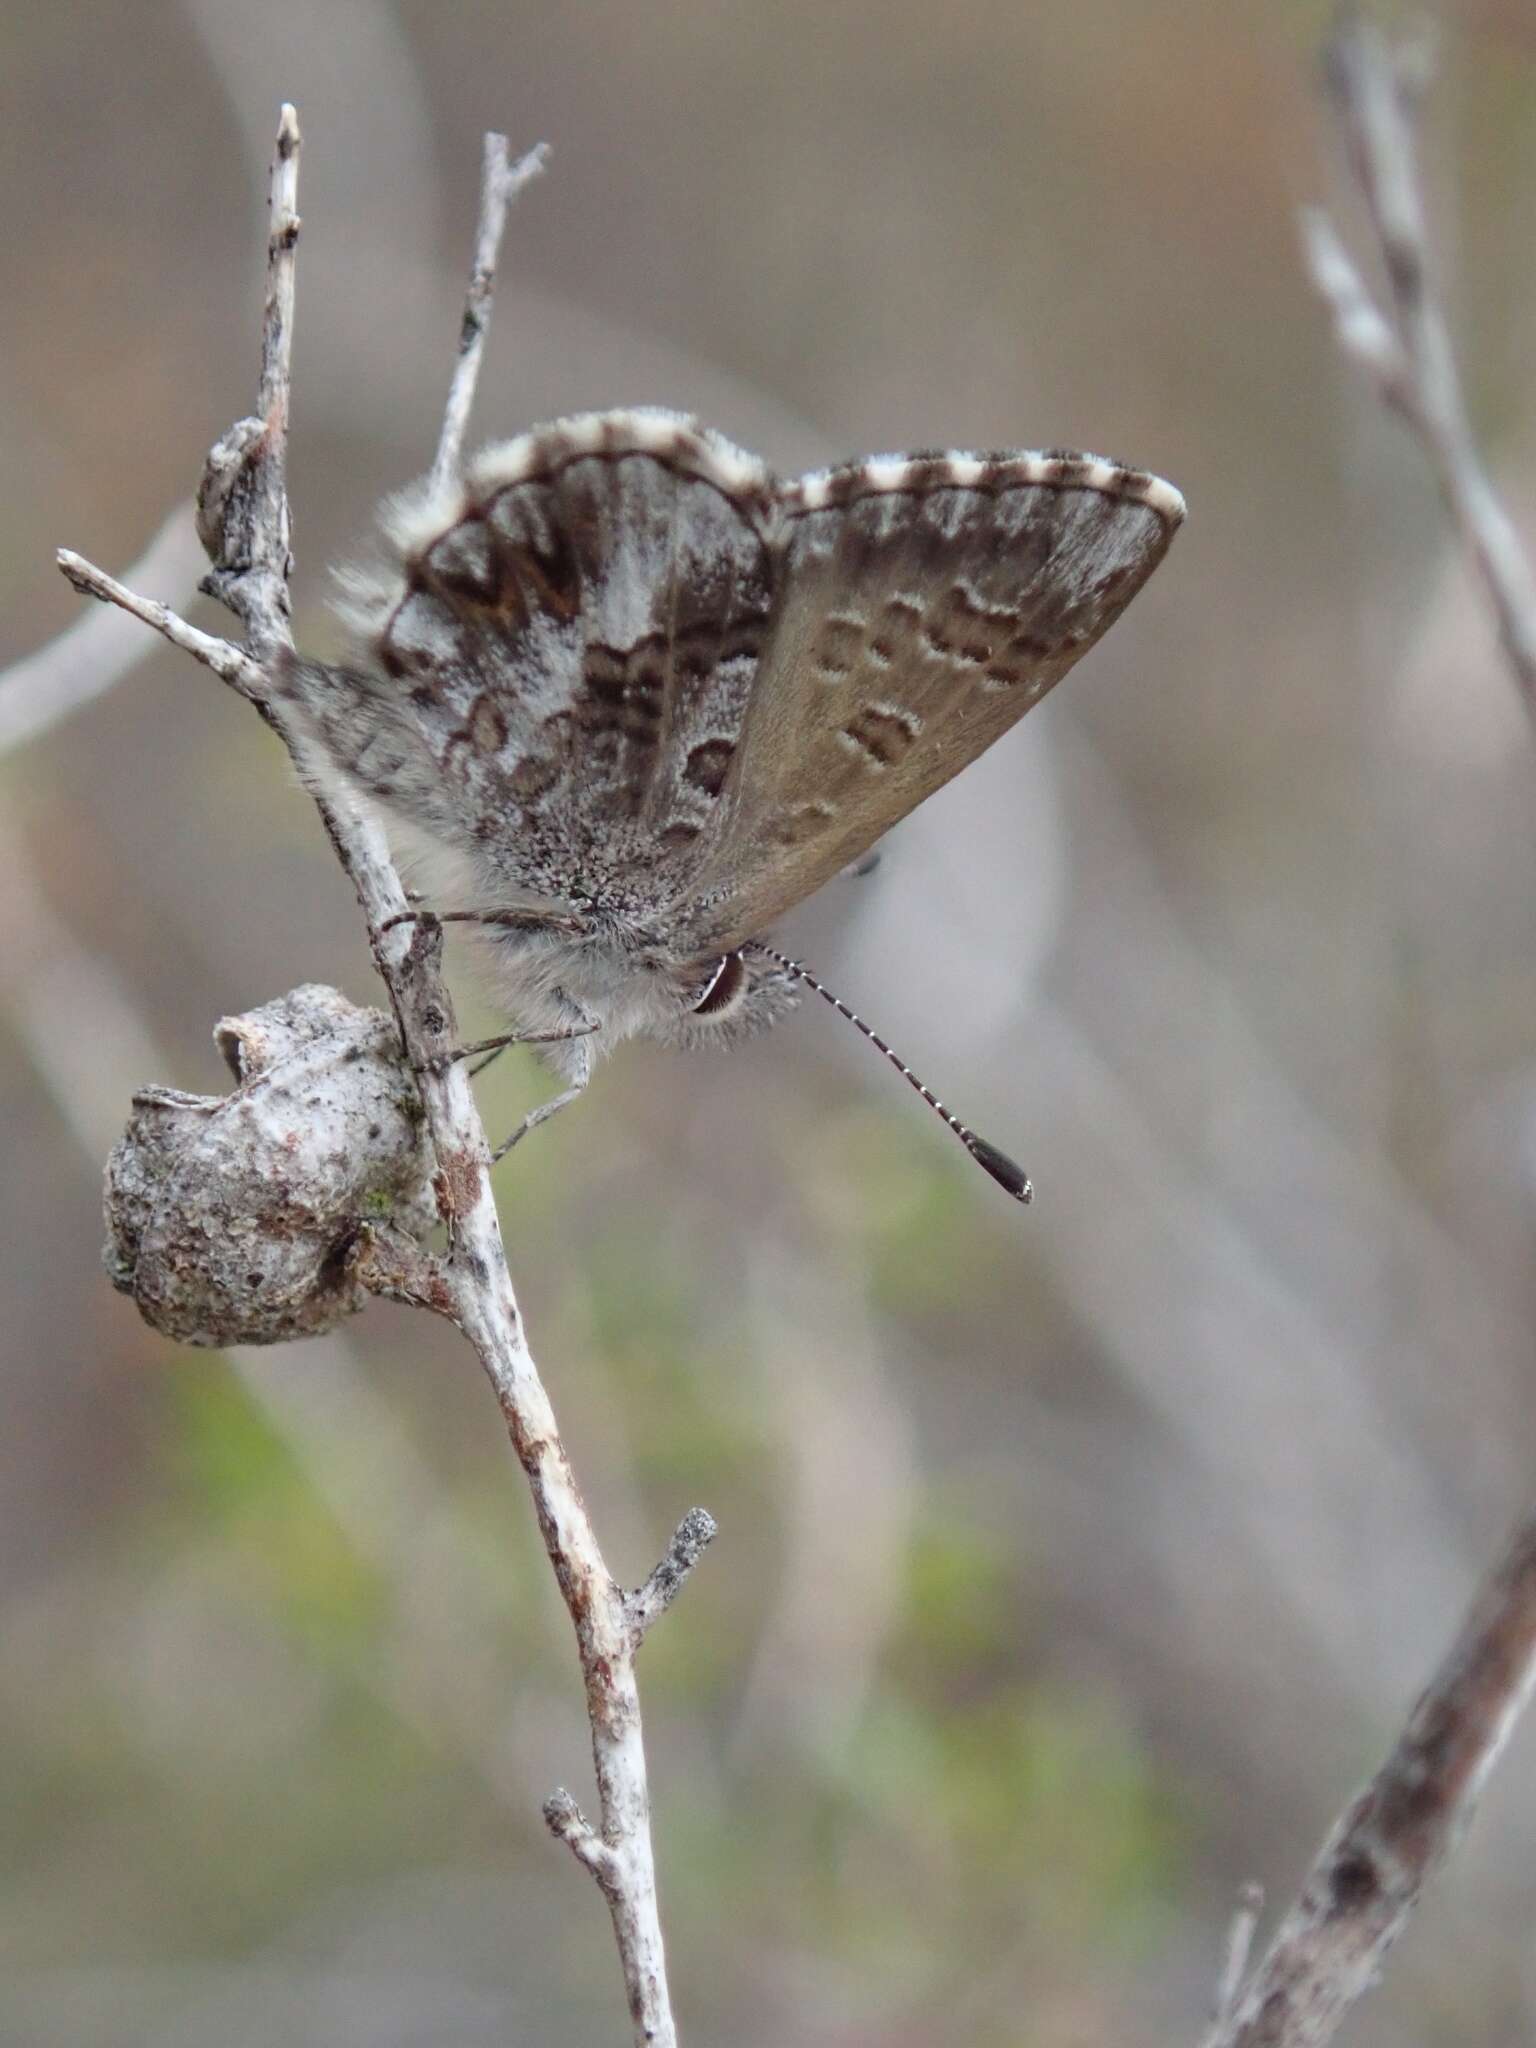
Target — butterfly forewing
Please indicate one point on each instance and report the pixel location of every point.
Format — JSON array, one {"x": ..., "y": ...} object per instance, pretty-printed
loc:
[{"x": 925, "y": 605}]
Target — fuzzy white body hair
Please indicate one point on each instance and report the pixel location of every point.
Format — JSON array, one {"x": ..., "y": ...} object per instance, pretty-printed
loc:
[
  {"x": 548, "y": 981},
  {"x": 612, "y": 975},
  {"x": 613, "y": 979}
]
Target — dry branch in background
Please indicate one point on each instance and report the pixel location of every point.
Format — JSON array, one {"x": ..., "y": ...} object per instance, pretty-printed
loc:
[
  {"x": 1406, "y": 350},
  {"x": 243, "y": 520},
  {"x": 87, "y": 659},
  {"x": 1369, "y": 1874}
]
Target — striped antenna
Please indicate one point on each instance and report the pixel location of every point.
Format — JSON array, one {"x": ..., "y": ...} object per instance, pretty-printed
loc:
[{"x": 998, "y": 1164}]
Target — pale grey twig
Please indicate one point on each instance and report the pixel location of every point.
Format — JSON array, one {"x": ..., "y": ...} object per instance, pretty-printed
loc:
[
  {"x": 500, "y": 182},
  {"x": 1406, "y": 349},
  {"x": 695, "y": 1532},
  {"x": 1366, "y": 1881},
  {"x": 567, "y": 1823},
  {"x": 225, "y": 659},
  {"x": 243, "y": 519},
  {"x": 275, "y": 388},
  {"x": 242, "y": 501}
]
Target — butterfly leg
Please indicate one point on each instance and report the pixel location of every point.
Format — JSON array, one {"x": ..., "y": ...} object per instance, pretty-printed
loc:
[
  {"x": 546, "y": 1110},
  {"x": 494, "y": 1047},
  {"x": 579, "y": 1072},
  {"x": 508, "y": 920},
  {"x": 505, "y": 1038},
  {"x": 535, "y": 1117}
]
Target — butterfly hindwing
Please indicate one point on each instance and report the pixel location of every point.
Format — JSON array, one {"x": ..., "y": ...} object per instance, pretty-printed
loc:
[{"x": 556, "y": 668}]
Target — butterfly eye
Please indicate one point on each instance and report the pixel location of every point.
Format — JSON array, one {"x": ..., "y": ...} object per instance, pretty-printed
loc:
[{"x": 723, "y": 987}]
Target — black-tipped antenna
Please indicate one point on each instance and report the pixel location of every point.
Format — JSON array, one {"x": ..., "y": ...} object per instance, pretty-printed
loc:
[{"x": 998, "y": 1164}]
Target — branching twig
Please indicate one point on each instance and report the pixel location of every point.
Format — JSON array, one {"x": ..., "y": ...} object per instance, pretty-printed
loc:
[
  {"x": 1367, "y": 1878},
  {"x": 243, "y": 519},
  {"x": 222, "y": 656},
  {"x": 1406, "y": 350},
  {"x": 695, "y": 1532},
  {"x": 501, "y": 181}
]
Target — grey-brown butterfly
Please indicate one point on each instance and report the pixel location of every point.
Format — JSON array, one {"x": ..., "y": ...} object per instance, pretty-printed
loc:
[{"x": 652, "y": 696}]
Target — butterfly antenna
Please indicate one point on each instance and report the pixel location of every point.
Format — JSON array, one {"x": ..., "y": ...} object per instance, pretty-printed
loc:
[{"x": 998, "y": 1164}]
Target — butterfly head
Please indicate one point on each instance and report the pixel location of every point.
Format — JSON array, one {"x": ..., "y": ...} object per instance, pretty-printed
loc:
[{"x": 718, "y": 1001}]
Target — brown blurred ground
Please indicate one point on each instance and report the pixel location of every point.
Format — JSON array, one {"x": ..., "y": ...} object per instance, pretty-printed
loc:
[{"x": 1074, "y": 1563}]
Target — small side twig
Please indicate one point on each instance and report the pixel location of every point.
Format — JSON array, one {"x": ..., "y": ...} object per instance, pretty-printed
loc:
[
  {"x": 1366, "y": 1881},
  {"x": 227, "y": 661},
  {"x": 243, "y": 513},
  {"x": 397, "y": 1267},
  {"x": 1406, "y": 349},
  {"x": 567, "y": 1823},
  {"x": 695, "y": 1532},
  {"x": 500, "y": 182}
]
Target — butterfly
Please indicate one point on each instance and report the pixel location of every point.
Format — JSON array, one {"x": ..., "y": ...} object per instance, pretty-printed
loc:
[{"x": 651, "y": 696}]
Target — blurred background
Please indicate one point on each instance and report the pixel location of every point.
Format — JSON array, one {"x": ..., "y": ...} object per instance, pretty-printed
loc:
[{"x": 1075, "y": 1565}]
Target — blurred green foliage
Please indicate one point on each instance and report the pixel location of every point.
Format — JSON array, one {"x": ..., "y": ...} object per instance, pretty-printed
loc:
[{"x": 972, "y": 1805}]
